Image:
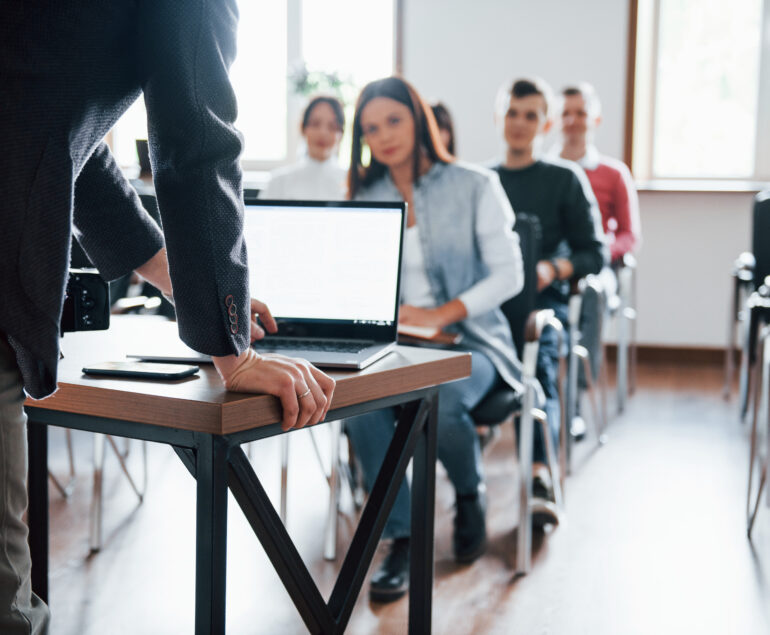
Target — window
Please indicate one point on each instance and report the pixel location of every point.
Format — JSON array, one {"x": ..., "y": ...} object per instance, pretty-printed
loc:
[
  {"x": 349, "y": 39},
  {"x": 702, "y": 78}
]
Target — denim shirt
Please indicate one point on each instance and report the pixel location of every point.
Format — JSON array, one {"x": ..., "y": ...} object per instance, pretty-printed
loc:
[{"x": 447, "y": 201}]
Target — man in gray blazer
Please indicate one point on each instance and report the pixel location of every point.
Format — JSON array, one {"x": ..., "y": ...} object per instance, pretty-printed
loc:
[{"x": 68, "y": 70}]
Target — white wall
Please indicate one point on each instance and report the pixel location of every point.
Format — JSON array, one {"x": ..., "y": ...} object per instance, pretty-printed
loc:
[
  {"x": 460, "y": 51},
  {"x": 690, "y": 243}
]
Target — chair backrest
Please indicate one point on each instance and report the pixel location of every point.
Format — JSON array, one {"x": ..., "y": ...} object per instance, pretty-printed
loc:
[
  {"x": 761, "y": 237},
  {"x": 518, "y": 308}
]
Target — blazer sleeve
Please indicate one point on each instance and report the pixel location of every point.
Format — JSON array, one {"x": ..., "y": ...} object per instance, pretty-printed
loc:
[
  {"x": 187, "y": 49},
  {"x": 109, "y": 221}
]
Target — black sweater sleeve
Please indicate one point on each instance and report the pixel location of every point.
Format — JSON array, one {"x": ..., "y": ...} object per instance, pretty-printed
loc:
[{"x": 583, "y": 228}]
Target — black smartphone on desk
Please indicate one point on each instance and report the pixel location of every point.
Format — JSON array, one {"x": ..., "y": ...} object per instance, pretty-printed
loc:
[{"x": 142, "y": 370}]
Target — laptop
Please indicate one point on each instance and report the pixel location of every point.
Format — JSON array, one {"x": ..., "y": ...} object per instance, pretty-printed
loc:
[{"x": 330, "y": 272}]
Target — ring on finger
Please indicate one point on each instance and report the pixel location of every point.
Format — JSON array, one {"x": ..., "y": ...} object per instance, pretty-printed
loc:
[{"x": 304, "y": 394}]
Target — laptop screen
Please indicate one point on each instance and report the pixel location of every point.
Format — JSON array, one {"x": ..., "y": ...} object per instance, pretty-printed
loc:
[{"x": 327, "y": 269}]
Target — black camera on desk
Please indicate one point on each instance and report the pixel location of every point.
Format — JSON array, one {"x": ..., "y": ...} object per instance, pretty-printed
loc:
[{"x": 87, "y": 302}]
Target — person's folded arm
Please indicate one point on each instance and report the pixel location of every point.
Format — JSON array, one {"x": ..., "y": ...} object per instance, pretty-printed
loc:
[{"x": 115, "y": 231}]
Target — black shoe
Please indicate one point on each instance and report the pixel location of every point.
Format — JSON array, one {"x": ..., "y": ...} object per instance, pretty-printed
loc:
[
  {"x": 391, "y": 580},
  {"x": 470, "y": 535},
  {"x": 543, "y": 505}
]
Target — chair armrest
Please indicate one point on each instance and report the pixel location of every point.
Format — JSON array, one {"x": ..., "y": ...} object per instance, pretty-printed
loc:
[
  {"x": 628, "y": 260},
  {"x": 743, "y": 267},
  {"x": 536, "y": 322}
]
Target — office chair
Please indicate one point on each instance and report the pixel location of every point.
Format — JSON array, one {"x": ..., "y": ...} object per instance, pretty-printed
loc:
[
  {"x": 624, "y": 311},
  {"x": 759, "y": 311},
  {"x": 593, "y": 371},
  {"x": 505, "y": 404},
  {"x": 749, "y": 273}
]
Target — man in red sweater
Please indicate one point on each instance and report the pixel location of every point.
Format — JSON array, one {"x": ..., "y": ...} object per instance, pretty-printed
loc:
[{"x": 610, "y": 179}]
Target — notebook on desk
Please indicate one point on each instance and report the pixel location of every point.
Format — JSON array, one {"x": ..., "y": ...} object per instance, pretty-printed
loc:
[{"x": 330, "y": 273}]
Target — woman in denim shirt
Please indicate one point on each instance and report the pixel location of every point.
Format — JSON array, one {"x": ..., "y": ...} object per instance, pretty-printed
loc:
[{"x": 461, "y": 262}]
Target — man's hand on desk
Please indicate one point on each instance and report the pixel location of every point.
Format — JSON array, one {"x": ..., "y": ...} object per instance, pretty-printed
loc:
[{"x": 305, "y": 392}]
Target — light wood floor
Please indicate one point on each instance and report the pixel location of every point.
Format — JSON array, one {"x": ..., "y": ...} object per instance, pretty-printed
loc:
[{"x": 654, "y": 540}]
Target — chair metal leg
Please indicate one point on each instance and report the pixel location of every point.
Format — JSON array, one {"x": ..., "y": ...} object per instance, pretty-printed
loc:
[
  {"x": 751, "y": 334},
  {"x": 526, "y": 438},
  {"x": 753, "y": 436},
  {"x": 100, "y": 444},
  {"x": 632, "y": 346},
  {"x": 622, "y": 362},
  {"x": 732, "y": 332},
  {"x": 603, "y": 386},
  {"x": 284, "y": 475},
  {"x": 330, "y": 534},
  {"x": 753, "y": 517},
  {"x": 761, "y": 416},
  {"x": 572, "y": 393},
  {"x": 540, "y": 417},
  {"x": 124, "y": 467},
  {"x": 65, "y": 489},
  {"x": 599, "y": 425}
]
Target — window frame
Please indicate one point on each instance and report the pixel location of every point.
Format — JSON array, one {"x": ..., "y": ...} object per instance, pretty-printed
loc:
[
  {"x": 641, "y": 86},
  {"x": 295, "y": 103}
]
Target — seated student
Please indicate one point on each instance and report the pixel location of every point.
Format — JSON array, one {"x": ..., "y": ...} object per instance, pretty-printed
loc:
[
  {"x": 610, "y": 179},
  {"x": 446, "y": 128},
  {"x": 614, "y": 189},
  {"x": 572, "y": 241},
  {"x": 318, "y": 176},
  {"x": 461, "y": 261}
]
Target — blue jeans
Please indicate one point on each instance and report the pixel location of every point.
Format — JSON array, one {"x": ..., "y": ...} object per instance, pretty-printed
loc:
[
  {"x": 548, "y": 374},
  {"x": 458, "y": 443}
]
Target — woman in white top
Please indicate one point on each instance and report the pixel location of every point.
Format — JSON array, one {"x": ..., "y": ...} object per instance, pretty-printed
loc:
[{"x": 318, "y": 176}]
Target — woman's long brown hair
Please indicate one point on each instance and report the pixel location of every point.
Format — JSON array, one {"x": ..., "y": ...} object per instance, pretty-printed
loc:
[{"x": 426, "y": 135}]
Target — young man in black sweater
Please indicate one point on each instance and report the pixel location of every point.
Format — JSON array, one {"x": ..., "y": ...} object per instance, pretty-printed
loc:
[{"x": 572, "y": 244}]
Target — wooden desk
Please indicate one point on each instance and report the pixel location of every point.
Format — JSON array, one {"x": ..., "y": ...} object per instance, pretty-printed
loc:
[{"x": 206, "y": 426}]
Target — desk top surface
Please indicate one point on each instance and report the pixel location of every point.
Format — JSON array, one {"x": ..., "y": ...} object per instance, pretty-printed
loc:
[{"x": 200, "y": 402}]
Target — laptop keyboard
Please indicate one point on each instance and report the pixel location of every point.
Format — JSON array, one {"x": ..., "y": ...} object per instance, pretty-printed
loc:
[{"x": 328, "y": 346}]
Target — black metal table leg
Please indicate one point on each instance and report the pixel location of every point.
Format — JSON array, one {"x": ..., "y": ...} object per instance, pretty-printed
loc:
[
  {"x": 37, "y": 515},
  {"x": 423, "y": 500},
  {"x": 211, "y": 534}
]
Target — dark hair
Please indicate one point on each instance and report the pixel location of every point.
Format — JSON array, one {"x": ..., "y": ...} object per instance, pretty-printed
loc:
[
  {"x": 588, "y": 93},
  {"x": 425, "y": 132},
  {"x": 336, "y": 106},
  {"x": 444, "y": 122},
  {"x": 535, "y": 86}
]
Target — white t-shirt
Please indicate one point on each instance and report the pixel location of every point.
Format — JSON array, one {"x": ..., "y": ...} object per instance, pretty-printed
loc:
[
  {"x": 415, "y": 284},
  {"x": 308, "y": 180}
]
